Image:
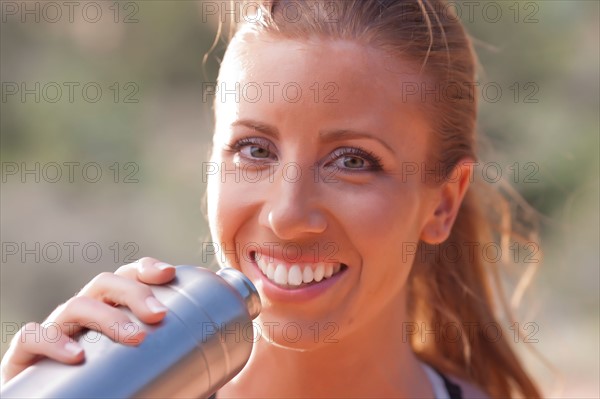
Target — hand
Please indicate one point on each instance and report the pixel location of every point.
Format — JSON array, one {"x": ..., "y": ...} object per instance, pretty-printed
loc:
[{"x": 94, "y": 308}]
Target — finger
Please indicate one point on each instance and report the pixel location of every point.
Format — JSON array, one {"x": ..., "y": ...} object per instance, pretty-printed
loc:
[
  {"x": 84, "y": 312},
  {"x": 148, "y": 270},
  {"x": 116, "y": 290},
  {"x": 33, "y": 342}
]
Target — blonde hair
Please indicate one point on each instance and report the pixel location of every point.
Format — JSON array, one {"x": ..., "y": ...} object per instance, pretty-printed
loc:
[{"x": 442, "y": 291}]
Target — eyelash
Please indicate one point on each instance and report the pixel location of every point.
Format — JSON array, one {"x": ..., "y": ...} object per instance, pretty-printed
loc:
[
  {"x": 371, "y": 158},
  {"x": 368, "y": 156},
  {"x": 238, "y": 145}
]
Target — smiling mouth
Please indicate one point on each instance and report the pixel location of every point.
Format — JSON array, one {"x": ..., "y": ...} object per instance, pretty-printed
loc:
[{"x": 296, "y": 275}]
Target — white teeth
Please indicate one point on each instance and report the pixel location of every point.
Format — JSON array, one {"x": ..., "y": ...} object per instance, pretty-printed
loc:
[
  {"x": 294, "y": 275},
  {"x": 328, "y": 271},
  {"x": 307, "y": 275},
  {"x": 319, "y": 272},
  {"x": 281, "y": 275},
  {"x": 271, "y": 271}
]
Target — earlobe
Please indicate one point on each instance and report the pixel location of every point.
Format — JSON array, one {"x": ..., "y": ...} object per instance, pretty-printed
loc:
[
  {"x": 451, "y": 193},
  {"x": 437, "y": 229}
]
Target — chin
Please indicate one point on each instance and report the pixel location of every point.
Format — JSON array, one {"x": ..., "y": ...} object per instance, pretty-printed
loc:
[{"x": 297, "y": 333}]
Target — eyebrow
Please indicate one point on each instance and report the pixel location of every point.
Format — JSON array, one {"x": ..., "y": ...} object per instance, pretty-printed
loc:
[{"x": 326, "y": 136}]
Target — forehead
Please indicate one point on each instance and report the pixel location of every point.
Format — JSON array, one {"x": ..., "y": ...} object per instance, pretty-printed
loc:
[
  {"x": 318, "y": 81},
  {"x": 351, "y": 65}
]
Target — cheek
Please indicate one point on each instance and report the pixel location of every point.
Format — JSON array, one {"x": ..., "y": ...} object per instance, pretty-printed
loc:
[
  {"x": 384, "y": 227},
  {"x": 225, "y": 215},
  {"x": 233, "y": 206},
  {"x": 380, "y": 219}
]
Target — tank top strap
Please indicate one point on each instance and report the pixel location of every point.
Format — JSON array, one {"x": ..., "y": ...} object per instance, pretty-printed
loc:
[{"x": 443, "y": 388}]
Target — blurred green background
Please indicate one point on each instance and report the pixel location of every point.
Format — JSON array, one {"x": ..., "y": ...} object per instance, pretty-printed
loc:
[{"x": 149, "y": 130}]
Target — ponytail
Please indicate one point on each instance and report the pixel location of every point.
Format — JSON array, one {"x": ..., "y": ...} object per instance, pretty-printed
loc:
[{"x": 450, "y": 295}]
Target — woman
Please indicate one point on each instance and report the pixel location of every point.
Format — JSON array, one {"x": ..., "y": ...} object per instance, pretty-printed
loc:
[{"x": 343, "y": 151}]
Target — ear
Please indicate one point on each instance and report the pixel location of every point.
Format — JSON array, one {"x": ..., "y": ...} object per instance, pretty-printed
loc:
[{"x": 450, "y": 196}]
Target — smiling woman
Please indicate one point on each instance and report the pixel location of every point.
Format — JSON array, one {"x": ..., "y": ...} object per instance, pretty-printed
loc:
[
  {"x": 331, "y": 228},
  {"x": 351, "y": 153}
]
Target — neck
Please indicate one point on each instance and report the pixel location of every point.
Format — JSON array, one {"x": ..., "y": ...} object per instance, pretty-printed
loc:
[{"x": 373, "y": 361}]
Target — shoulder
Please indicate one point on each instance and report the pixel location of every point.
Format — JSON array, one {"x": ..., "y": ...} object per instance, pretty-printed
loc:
[{"x": 468, "y": 389}]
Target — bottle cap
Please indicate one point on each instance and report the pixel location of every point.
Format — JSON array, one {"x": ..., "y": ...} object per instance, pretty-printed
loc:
[{"x": 244, "y": 286}]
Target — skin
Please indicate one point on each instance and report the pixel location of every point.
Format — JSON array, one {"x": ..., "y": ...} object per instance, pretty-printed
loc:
[{"x": 366, "y": 213}]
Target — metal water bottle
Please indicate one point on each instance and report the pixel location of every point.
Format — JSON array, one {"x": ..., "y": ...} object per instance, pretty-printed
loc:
[{"x": 204, "y": 340}]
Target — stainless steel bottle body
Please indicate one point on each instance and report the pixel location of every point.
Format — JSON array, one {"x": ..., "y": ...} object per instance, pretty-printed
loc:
[{"x": 201, "y": 344}]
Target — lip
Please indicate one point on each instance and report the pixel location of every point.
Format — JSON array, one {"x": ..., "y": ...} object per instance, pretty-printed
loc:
[
  {"x": 306, "y": 293},
  {"x": 296, "y": 260}
]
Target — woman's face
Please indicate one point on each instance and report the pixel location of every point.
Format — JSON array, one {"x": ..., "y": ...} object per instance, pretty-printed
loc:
[{"x": 313, "y": 167}]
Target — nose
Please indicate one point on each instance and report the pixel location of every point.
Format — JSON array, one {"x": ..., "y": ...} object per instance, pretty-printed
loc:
[{"x": 292, "y": 210}]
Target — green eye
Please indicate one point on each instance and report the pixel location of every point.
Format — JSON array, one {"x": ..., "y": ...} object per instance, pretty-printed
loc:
[
  {"x": 354, "y": 159},
  {"x": 258, "y": 152},
  {"x": 253, "y": 148},
  {"x": 353, "y": 162}
]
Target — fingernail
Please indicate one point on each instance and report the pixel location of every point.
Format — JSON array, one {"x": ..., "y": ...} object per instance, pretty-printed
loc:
[
  {"x": 73, "y": 348},
  {"x": 163, "y": 266},
  {"x": 130, "y": 333},
  {"x": 155, "y": 306}
]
